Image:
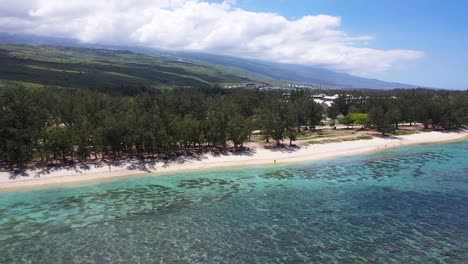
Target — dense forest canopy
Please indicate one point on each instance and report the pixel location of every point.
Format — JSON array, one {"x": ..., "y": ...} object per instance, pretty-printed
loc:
[{"x": 45, "y": 124}]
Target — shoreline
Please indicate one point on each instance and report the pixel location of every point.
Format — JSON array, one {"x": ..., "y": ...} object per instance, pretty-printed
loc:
[{"x": 41, "y": 178}]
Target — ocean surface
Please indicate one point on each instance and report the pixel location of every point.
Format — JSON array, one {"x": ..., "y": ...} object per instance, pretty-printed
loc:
[{"x": 406, "y": 205}]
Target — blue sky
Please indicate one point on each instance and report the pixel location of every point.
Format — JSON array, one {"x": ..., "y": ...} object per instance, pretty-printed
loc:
[
  {"x": 422, "y": 42},
  {"x": 436, "y": 27}
]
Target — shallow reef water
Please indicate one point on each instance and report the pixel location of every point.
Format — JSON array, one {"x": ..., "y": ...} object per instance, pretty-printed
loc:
[{"x": 406, "y": 205}]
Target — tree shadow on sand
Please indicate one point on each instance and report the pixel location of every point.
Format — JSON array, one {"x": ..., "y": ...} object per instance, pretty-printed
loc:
[
  {"x": 147, "y": 165},
  {"x": 232, "y": 151},
  {"x": 41, "y": 170},
  {"x": 283, "y": 148},
  {"x": 202, "y": 155}
]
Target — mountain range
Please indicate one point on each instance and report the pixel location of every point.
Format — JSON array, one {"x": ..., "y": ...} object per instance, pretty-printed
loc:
[{"x": 230, "y": 69}]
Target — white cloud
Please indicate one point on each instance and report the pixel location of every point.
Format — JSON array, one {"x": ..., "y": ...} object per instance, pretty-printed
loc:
[{"x": 201, "y": 26}]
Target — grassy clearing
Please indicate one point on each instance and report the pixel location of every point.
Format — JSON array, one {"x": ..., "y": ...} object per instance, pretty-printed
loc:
[
  {"x": 325, "y": 141},
  {"x": 51, "y": 69},
  {"x": 308, "y": 135},
  {"x": 325, "y": 134},
  {"x": 404, "y": 132}
]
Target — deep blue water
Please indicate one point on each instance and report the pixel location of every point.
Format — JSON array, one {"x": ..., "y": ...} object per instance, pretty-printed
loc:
[{"x": 407, "y": 205}]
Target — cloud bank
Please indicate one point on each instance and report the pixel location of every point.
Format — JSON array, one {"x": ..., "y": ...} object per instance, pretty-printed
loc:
[{"x": 195, "y": 25}]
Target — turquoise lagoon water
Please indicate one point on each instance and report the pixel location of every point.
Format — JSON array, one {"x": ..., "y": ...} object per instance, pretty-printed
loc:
[{"x": 407, "y": 205}]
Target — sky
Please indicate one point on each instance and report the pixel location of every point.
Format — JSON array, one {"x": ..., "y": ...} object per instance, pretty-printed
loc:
[{"x": 422, "y": 42}]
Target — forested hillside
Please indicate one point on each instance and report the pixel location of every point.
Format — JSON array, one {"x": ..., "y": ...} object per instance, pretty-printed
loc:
[{"x": 114, "y": 71}]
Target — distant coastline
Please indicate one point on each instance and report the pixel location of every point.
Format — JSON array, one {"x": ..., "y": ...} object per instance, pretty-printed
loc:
[{"x": 84, "y": 173}]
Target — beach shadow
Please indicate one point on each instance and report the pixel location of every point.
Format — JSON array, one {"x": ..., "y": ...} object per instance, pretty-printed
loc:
[
  {"x": 146, "y": 165},
  {"x": 57, "y": 167},
  {"x": 18, "y": 173},
  {"x": 45, "y": 169},
  {"x": 203, "y": 154},
  {"x": 244, "y": 151},
  {"x": 284, "y": 148},
  {"x": 181, "y": 158}
]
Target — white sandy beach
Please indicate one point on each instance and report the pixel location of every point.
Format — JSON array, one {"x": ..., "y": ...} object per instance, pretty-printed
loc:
[{"x": 39, "y": 178}]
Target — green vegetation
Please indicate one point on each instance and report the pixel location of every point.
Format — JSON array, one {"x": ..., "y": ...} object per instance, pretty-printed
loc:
[
  {"x": 325, "y": 134},
  {"x": 315, "y": 142},
  {"x": 386, "y": 109},
  {"x": 113, "y": 71},
  {"x": 73, "y": 104},
  {"x": 355, "y": 119},
  {"x": 50, "y": 124},
  {"x": 360, "y": 119},
  {"x": 403, "y": 132},
  {"x": 340, "y": 106}
]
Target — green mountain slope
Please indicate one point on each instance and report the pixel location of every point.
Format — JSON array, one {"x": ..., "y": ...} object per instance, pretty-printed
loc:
[
  {"x": 116, "y": 70},
  {"x": 258, "y": 69},
  {"x": 284, "y": 72}
]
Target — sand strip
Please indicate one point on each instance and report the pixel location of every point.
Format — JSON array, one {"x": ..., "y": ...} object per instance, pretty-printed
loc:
[{"x": 42, "y": 178}]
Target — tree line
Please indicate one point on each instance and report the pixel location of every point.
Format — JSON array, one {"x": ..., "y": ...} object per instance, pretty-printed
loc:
[
  {"x": 50, "y": 124},
  {"x": 435, "y": 109}
]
